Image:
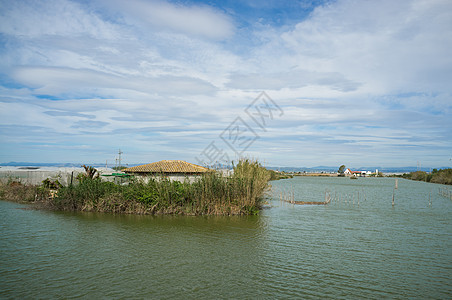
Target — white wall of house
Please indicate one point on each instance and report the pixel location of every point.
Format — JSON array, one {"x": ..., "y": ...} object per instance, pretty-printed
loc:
[{"x": 180, "y": 178}]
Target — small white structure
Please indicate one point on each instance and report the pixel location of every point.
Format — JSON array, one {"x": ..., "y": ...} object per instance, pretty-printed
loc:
[{"x": 349, "y": 172}]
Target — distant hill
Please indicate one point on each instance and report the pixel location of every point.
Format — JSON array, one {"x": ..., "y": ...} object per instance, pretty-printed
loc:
[
  {"x": 281, "y": 168},
  {"x": 61, "y": 165},
  {"x": 372, "y": 169},
  {"x": 29, "y": 164},
  {"x": 401, "y": 169}
]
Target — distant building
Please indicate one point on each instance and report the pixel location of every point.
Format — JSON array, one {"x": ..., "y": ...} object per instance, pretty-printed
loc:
[
  {"x": 349, "y": 172},
  {"x": 175, "y": 170}
]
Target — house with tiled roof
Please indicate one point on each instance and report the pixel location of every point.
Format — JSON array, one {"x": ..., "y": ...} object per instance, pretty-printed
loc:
[{"x": 178, "y": 170}]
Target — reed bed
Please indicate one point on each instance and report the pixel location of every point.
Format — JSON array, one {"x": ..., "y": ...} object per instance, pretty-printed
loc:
[
  {"x": 239, "y": 194},
  {"x": 18, "y": 192}
]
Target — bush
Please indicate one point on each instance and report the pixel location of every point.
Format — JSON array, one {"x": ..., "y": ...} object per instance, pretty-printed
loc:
[
  {"x": 419, "y": 175},
  {"x": 51, "y": 184},
  {"x": 18, "y": 192},
  {"x": 442, "y": 176},
  {"x": 437, "y": 176}
]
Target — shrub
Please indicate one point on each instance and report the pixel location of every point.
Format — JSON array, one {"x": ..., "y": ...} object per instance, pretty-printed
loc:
[
  {"x": 419, "y": 175},
  {"x": 18, "y": 192},
  {"x": 442, "y": 176}
]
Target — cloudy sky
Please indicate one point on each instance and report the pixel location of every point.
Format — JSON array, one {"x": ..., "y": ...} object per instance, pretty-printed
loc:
[{"x": 350, "y": 82}]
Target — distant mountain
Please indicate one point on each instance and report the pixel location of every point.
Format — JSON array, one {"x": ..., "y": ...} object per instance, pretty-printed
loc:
[
  {"x": 29, "y": 164},
  {"x": 372, "y": 169},
  {"x": 401, "y": 169},
  {"x": 286, "y": 169},
  {"x": 61, "y": 165},
  {"x": 303, "y": 169},
  {"x": 325, "y": 168}
]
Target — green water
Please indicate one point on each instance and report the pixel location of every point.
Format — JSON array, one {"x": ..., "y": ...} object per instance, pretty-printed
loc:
[{"x": 343, "y": 250}]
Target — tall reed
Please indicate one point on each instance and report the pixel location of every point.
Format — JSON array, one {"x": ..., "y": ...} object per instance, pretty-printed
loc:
[{"x": 18, "y": 192}]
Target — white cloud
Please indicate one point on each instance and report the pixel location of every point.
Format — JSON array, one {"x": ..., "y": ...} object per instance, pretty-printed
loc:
[
  {"x": 355, "y": 79},
  {"x": 291, "y": 79},
  {"x": 30, "y": 19},
  {"x": 390, "y": 46},
  {"x": 55, "y": 81},
  {"x": 201, "y": 21}
]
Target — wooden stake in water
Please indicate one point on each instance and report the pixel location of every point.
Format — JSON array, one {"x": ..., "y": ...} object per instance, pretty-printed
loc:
[
  {"x": 392, "y": 198},
  {"x": 396, "y": 184}
]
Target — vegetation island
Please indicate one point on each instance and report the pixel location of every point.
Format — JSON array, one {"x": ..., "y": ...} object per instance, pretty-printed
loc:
[
  {"x": 443, "y": 176},
  {"x": 202, "y": 192}
]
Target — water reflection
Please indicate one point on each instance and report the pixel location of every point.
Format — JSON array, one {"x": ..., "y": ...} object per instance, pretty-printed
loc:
[{"x": 341, "y": 250}]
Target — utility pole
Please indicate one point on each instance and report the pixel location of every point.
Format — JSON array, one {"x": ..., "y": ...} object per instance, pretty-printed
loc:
[{"x": 119, "y": 158}]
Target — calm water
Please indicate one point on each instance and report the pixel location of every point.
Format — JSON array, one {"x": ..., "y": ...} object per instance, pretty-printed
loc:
[{"x": 337, "y": 251}]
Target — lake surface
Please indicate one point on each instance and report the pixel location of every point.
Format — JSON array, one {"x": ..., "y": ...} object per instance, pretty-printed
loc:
[{"x": 342, "y": 250}]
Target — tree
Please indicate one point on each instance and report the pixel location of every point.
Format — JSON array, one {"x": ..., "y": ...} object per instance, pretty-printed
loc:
[
  {"x": 90, "y": 172},
  {"x": 341, "y": 169},
  {"x": 119, "y": 168},
  {"x": 419, "y": 175}
]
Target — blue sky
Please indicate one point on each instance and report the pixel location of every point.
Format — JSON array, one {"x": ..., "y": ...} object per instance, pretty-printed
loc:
[{"x": 346, "y": 82}]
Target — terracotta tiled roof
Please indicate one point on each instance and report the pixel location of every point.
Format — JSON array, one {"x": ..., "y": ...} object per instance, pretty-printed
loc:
[{"x": 168, "y": 166}]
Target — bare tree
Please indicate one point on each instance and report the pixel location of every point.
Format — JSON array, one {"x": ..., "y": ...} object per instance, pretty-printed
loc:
[{"x": 90, "y": 172}]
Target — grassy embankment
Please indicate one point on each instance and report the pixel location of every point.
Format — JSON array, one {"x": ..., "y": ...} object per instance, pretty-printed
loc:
[
  {"x": 279, "y": 175},
  {"x": 240, "y": 194},
  {"x": 317, "y": 175},
  {"x": 443, "y": 176}
]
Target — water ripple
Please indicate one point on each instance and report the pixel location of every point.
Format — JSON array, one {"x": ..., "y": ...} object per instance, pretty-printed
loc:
[{"x": 340, "y": 251}]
